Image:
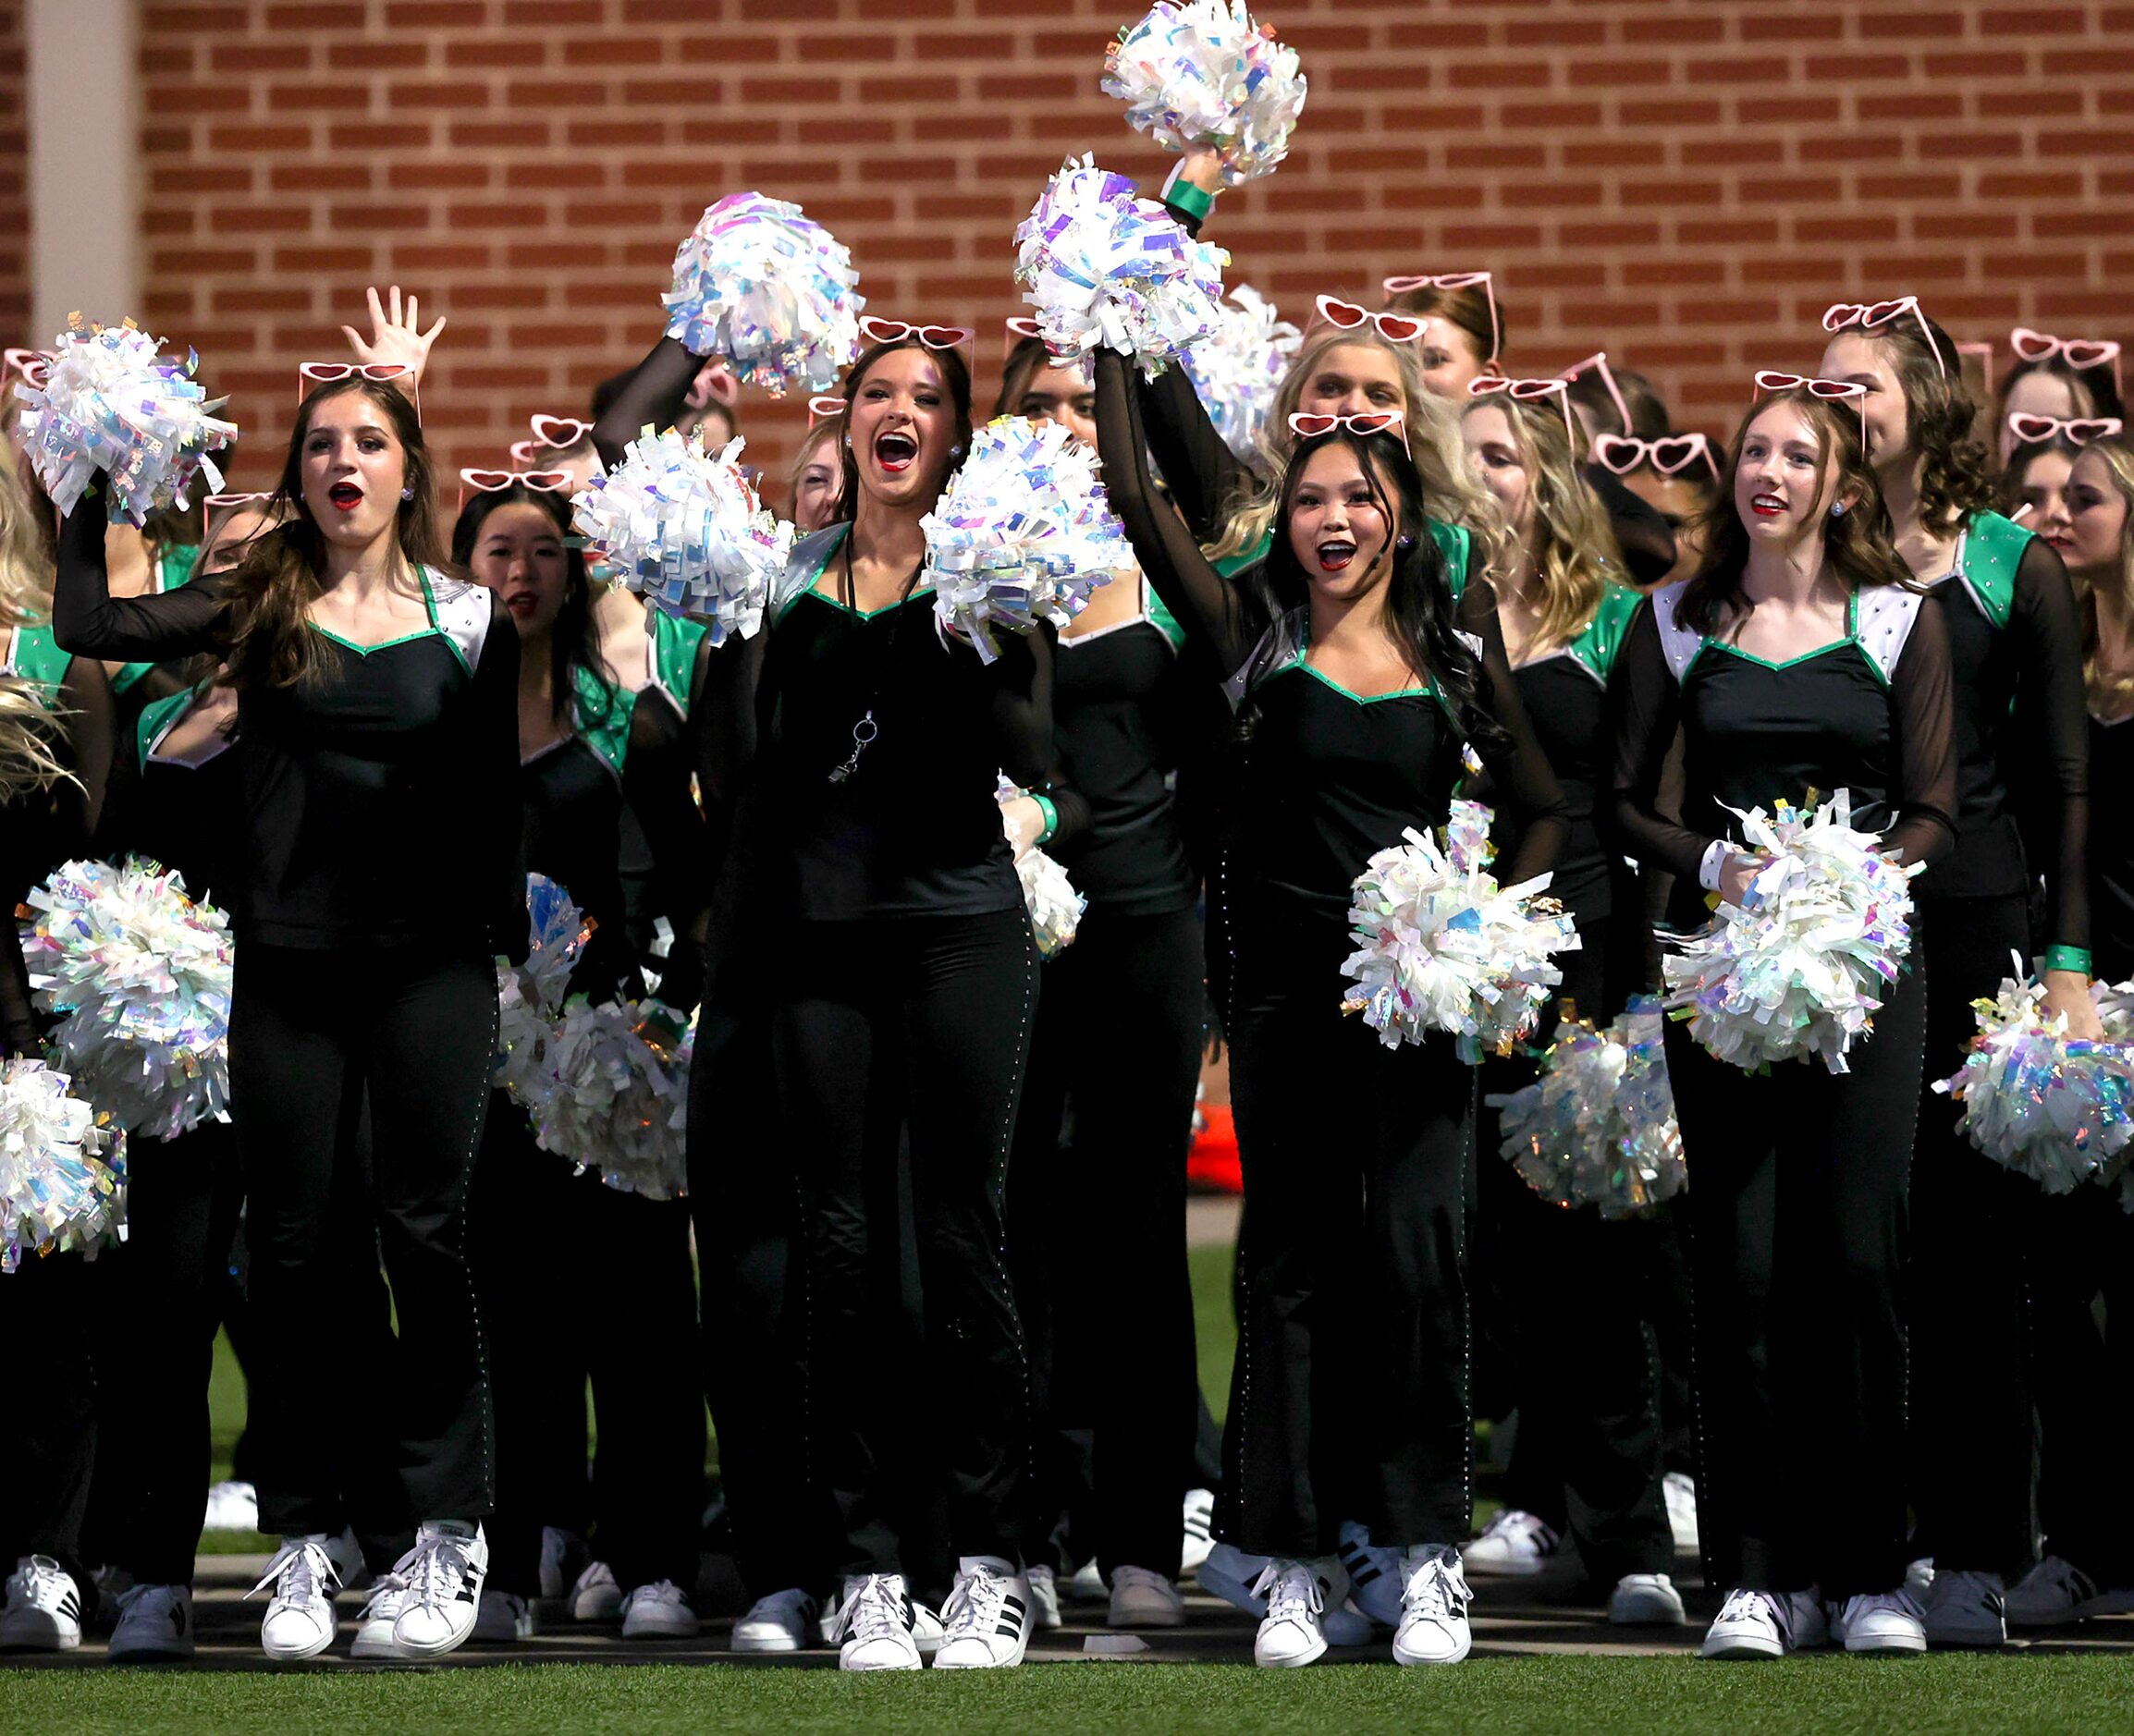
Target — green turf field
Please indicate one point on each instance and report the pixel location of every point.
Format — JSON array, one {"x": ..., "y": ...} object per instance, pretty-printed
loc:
[{"x": 1638, "y": 1696}]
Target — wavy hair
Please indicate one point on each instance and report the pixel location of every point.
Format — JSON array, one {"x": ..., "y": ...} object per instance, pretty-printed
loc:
[
  {"x": 2091, "y": 391},
  {"x": 26, "y": 552},
  {"x": 2110, "y": 694},
  {"x": 955, "y": 376},
  {"x": 272, "y": 589},
  {"x": 1571, "y": 543},
  {"x": 1955, "y": 473},
  {"x": 1452, "y": 492},
  {"x": 1857, "y": 545},
  {"x": 574, "y": 641},
  {"x": 1420, "y": 612}
]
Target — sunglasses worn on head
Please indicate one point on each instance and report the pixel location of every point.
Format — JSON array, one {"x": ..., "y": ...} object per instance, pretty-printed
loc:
[
  {"x": 896, "y": 330},
  {"x": 1773, "y": 380},
  {"x": 1872, "y": 316},
  {"x": 1527, "y": 392},
  {"x": 1312, "y": 424},
  {"x": 224, "y": 504},
  {"x": 1398, "y": 328},
  {"x": 823, "y": 406},
  {"x": 1483, "y": 280},
  {"x": 1668, "y": 456},
  {"x": 497, "y": 482},
  {"x": 33, "y": 365},
  {"x": 1598, "y": 363},
  {"x": 2079, "y": 430},
  {"x": 311, "y": 374}
]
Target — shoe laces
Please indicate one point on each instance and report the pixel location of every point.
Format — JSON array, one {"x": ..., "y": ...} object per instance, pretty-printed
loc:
[
  {"x": 1878, "y": 1603},
  {"x": 1511, "y": 1523},
  {"x": 663, "y": 1591},
  {"x": 35, "y": 1574},
  {"x": 875, "y": 1610},
  {"x": 1293, "y": 1592},
  {"x": 437, "y": 1568},
  {"x": 1751, "y": 1606},
  {"x": 974, "y": 1601},
  {"x": 299, "y": 1572},
  {"x": 1438, "y": 1589},
  {"x": 388, "y": 1592}
]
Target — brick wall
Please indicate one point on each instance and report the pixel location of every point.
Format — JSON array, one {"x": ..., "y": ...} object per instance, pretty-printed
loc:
[
  {"x": 14, "y": 190},
  {"x": 1686, "y": 181}
]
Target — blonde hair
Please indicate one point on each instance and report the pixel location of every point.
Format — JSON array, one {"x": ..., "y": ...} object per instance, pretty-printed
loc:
[
  {"x": 26, "y": 555},
  {"x": 1450, "y": 493},
  {"x": 1572, "y": 542},
  {"x": 2111, "y": 693}
]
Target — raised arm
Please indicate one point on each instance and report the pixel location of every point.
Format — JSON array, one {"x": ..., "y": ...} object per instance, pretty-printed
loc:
[
  {"x": 1020, "y": 697},
  {"x": 90, "y": 622},
  {"x": 1922, "y": 705},
  {"x": 2051, "y": 741},
  {"x": 1214, "y": 612},
  {"x": 654, "y": 397},
  {"x": 1644, "y": 715},
  {"x": 1522, "y": 781},
  {"x": 656, "y": 782}
]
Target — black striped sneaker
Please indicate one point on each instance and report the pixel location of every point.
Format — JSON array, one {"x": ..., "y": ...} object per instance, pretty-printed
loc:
[
  {"x": 43, "y": 1612},
  {"x": 986, "y": 1622}
]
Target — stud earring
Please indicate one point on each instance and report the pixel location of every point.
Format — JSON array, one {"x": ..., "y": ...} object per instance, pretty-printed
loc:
[
  {"x": 955, "y": 452},
  {"x": 407, "y": 493},
  {"x": 1837, "y": 509},
  {"x": 1403, "y": 540}
]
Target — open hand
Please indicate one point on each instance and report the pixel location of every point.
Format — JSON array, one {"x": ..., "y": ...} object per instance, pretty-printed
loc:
[{"x": 395, "y": 335}]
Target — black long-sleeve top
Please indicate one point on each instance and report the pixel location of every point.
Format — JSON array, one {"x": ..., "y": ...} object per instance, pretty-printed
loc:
[
  {"x": 2111, "y": 850},
  {"x": 2022, "y": 733},
  {"x": 381, "y": 794},
  {"x": 1333, "y": 776},
  {"x": 1871, "y": 712},
  {"x": 186, "y": 814}
]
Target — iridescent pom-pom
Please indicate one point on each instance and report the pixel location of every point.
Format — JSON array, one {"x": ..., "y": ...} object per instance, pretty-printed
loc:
[
  {"x": 1237, "y": 371},
  {"x": 1055, "y": 906},
  {"x": 1202, "y": 72},
  {"x": 1801, "y": 970},
  {"x": 1105, "y": 268},
  {"x": 62, "y": 1166},
  {"x": 1442, "y": 946},
  {"x": 141, "y": 976},
  {"x": 682, "y": 526},
  {"x": 620, "y": 1101},
  {"x": 771, "y": 290},
  {"x": 1022, "y": 533},
  {"x": 2046, "y": 1106},
  {"x": 111, "y": 403},
  {"x": 529, "y": 995},
  {"x": 1598, "y": 1127}
]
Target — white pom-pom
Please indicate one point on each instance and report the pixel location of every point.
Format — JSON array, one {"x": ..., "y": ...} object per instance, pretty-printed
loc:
[
  {"x": 529, "y": 995},
  {"x": 1237, "y": 371},
  {"x": 1801, "y": 970},
  {"x": 1598, "y": 1127},
  {"x": 1442, "y": 946},
  {"x": 62, "y": 1166},
  {"x": 2046, "y": 1106},
  {"x": 684, "y": 527},
  {"x": 1055, "y": 906},
  {"x": 620, "y": 1101},
  {"x": 771, "y": 290},
  {"x": 1023, "y": 533},
  {"x": 1103, "y": 267},
  {"x": 110, "y": 403},
  {"x": 141, "y": 974},
  {"x": 1202, "y": 72}
]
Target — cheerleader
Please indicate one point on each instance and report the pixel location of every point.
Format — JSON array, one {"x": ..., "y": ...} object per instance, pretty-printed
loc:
[
  {"x": 1352, "y": 642},
  {"x": 1589, "y": 1442},
  {"x": 1113, "y": 1193},
  {"x": 815, "y": 479},
  {"x": 2081, "y": 1247},
  {"x": 2033, "y": 489},
  {"x": 1800, "y": 659},
  {"x": 2055, "y": 380},
  {"x": 2016, "y": 673},
  {"x": 377, "y": 700},
  {"x": 589, "y": 749}
]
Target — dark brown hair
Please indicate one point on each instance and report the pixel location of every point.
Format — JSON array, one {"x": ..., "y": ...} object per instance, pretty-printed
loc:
[
  {"x": 1468, "y": 309},
  {"x": 1856, "y": 545},
  {"x": 273, "y": 588},
  {"x": 955, "y": 376},
  {"x": 1955, "y": 474},
  {"x": 1024, "y": 363},
  {"x": 574, "y": 642}
]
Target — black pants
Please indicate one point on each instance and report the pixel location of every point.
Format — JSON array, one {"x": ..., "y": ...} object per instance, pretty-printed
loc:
[
  {"x": 2081, "y": 1254},
  {"x": 1098, "y": 1213},
  {"x": 313, "y": 1035},
  {"x": 1349, "y": 1397},
  {"x": 48, "y": 1427},
  {"x": 1578, "y": 1298},
  {"x": 1971, "y": 1430},
  {"x": 1796, "y": 1212},
  {"x": 920, "y": 1023}
]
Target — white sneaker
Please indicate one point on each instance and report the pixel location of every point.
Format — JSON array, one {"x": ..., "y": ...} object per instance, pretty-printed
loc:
[
  {"x": 1965, "y": 1609},
  {"x": 43, "y": 1612},
  {"x": 1434, "y": 1627},
  {"x": 927, "y": 1630},
  {"x": 1878, "y": 1621},
  {"x": 1142, "y": 1598},
  {"x": 1766, "y": 1624},
  {"x": 1376, "y": 1584},
  {"x": 1290, "y": 1635},
  {"x": 658, "y": 1612},
  {"x": 444, "y": 1571},
  {"x": 1085, "y": 1585},
  {"x": 300, "y": 1617},
  {"x": 1200, "y": 1536},
  {"x": 1512, "y": 1545},
  {"x": 785, "y": 1621},
  {"x": 875, "y": 1622},
  {"x": 501, "y": 1618},
  {"x": 1680, "y": 1494},
  {"x": 2056, "y": 1592},
  {"x": 560, "y": 1552},
  {"x": 374, "y": 1635},
  {"x": 1044, "y": 1596},
  {"x": 231, "y": 1507},
  {"x": 986, "y": 1622},
  {"x": 153, "y": 1621},
  {"x": 595, "y": 1596},
  {"x": 1646, "y": 1600}
]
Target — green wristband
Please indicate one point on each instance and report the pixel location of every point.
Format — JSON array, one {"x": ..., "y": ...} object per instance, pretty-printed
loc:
[
  {"x": 1182, "y": 193},
  {"x": 1051, "y": 815},
  {"x": 2067, "y": 958}
]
